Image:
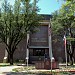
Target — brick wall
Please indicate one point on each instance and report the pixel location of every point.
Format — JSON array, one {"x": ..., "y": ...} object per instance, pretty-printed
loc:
[
  {"x": 2, "y": 51},
  {"x": 20, "y": 53}
]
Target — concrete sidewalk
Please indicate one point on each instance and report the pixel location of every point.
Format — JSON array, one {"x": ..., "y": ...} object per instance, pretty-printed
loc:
[{"x": 8, "y": 68}]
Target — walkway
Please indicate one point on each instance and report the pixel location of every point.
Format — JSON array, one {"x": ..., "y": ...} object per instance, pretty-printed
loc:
[{"x": 7, "y": 69}]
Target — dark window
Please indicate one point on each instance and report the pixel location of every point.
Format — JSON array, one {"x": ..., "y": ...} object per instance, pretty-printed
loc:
[{"x": 38, "y": 52}]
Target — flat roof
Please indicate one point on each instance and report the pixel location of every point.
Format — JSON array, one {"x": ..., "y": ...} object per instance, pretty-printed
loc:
[{"x": 46, "y": 16}]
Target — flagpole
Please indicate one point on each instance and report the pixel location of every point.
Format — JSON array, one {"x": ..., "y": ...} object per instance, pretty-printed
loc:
[
  {"x": 65, "y": 50},
  {"x": 66, "y": 56}
]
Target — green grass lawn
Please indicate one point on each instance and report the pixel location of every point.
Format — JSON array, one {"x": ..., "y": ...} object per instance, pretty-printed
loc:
[
  {"x": 4, "y": 64},
  {"x": 32, "y": 70},
  {"x": 8, "y": 64}
]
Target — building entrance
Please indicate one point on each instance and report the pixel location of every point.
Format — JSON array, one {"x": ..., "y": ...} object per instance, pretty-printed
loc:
[{"x": 38, "y": 52}]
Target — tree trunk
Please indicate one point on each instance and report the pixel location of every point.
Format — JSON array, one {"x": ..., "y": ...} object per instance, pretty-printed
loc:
[
  {"x": 11, "y": 58},
  {"x": 71, "y": 59}
]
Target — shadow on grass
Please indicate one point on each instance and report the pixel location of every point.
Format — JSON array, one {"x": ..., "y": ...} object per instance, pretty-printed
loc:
[{"x": 23, "y": 73}]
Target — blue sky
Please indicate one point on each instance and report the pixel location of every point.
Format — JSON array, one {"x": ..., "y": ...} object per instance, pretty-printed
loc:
[{"x": 46, "y": 6}]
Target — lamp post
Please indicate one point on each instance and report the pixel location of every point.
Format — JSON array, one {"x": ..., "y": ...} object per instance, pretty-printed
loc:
[{"x": 50, "y": 44}]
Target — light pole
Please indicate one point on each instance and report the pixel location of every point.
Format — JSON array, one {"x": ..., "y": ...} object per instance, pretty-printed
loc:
[{"x": 50, "y": 44}]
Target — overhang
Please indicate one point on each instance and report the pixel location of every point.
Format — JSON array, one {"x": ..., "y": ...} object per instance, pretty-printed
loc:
[{"x": 38, "y": 47}]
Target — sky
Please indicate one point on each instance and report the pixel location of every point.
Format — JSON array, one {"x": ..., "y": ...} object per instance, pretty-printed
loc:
[{"x": 46, "y": 6}]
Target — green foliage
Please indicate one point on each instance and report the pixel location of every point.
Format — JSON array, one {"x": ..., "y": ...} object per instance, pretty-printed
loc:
[
  {"x": 70, "y": 39},
  {"x": 15, "y": 22},
  {"x": 63, "y": 23},
  {"x": 56, "y": 26},
  {"x": 64, "y": 18}
]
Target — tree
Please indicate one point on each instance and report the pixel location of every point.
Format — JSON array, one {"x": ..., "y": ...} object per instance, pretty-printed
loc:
[
  {"x": 65, "y": 22},
  {"x": 68, "y": 0},
  {"x": 15, "y": 22}
]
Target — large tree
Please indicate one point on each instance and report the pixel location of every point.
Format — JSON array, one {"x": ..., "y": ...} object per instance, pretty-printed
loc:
[
  {"x": 15, "y": 22},
  {"x": 64, "y": 20}
]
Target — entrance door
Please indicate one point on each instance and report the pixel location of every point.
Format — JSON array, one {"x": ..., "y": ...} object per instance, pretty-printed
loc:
[{"x": 38, "y": 52}]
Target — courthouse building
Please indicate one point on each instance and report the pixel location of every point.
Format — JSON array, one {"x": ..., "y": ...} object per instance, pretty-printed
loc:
[{"x": 38, "y": 45}]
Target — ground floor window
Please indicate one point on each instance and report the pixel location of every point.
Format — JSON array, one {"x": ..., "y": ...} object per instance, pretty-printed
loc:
[{"x": 38, "y": 52}]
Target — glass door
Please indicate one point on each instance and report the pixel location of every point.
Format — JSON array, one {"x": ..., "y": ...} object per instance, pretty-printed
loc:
[{"x": 38, "y": 52}]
